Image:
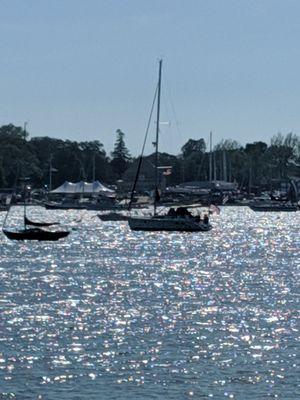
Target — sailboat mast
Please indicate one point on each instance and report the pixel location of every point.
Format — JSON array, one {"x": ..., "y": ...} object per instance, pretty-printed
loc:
[
  {"x": 94, "y": 167},
  {"x": 157, "y": 134},
  {"x": 25, "y": 206},
  {"x": 210, "y": 159},
  {"x": 50, "y": 173}
]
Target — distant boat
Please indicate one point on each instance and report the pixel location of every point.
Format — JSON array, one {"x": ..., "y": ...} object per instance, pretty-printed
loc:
[
  {"x": 105, "y": 204},
  {"x": 183, "y": 223},
  {"x": 64, "y": 206},
  {"x": 273, "y": 207},
  {"x": 175, "y": 220},
  {"x": 35, "y": 233},
  {"x": 113, "y": 216},
  {"x": 39, "y": 224}
]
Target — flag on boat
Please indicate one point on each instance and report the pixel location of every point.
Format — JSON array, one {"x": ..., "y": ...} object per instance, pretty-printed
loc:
[
  {"x": 225, "y": 199},
  {"x": 167, "y": 172},
  {"x": 157, "y": 195},
  {"x": 214, "y": 209}
]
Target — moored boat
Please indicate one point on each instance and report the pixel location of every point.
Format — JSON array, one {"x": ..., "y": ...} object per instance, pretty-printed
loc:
[
  {"x": 113, "y": 216},
  {"x": 63, "y": 206},
  {"x": 169, "y": 223},
  {"x": 175, "y": 220},
  {"x": 35, "y": 234},
  {"x": 274, "y": 207},
  {"x": 39, "y": 224},
  {"x": 79, "y": 206},
  {"x": 34, "y": 231}
]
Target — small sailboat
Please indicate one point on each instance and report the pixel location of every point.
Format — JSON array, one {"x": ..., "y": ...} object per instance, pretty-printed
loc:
[
  {"x": 33, "y": 230},
  {"x": 35, "y": 234},
  {"x": 180, "y": 219},
  {"x": 291, "y": 205},
  {"x": 113, "y": 216},
  {"x": 39, "y": 224}
]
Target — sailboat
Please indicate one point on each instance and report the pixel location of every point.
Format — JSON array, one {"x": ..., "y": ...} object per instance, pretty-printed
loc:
[
  {"x": 180, "y": 219},
  {"x": 113, "y": 216},
  {"x": 291, "y": 205},
  {"x": 33, "y": 230},
  {"x": 35, "y": 234}
]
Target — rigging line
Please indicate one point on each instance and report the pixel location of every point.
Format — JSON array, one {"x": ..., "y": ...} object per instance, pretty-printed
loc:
[
  {"x": 173, "y": 109},
  {"x": 166, "y": 104},
  {"x": 167, "y": 123},
  {"x": 143, "y": 149},
  {"x": 4, "y": 222}
]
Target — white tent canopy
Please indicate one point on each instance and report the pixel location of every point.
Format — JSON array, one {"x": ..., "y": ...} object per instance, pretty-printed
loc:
[{"x": 81, "y": 187}]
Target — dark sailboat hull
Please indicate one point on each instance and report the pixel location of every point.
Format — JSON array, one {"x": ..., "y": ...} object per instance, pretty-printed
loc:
[
  {"x": 35, "y": 234},
  {"x": 273, "y": 207},
  {"x": 167, "y": 224},
  {"x": 39, "y": 224},
  {"x": 81, "y": 206},
  {"x": 113, "y": 216},
  {"x": 60, "y": 206}
]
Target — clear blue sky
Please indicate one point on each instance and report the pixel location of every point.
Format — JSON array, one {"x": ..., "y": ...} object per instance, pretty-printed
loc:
[{"x": 82, "y": 69}]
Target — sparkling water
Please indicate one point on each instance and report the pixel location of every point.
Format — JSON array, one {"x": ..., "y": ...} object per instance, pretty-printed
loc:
[{"x": 108, "y": 313}]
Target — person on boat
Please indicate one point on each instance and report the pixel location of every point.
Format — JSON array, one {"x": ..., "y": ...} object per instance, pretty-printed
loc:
[
  {"x": 197, "y": 218},
  {"x": 183, "y": 212},
  {"x": 172, "y": 212},
  {"x": 206, "y": 219}
]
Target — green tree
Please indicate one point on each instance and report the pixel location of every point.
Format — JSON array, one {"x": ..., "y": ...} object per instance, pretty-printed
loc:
[
  {"x": 2, "y": 174},
  {"x": 228, "y": 145},
  {"x": 193, "y": 160},
  {"x": 193, "y": 146},
  {"x": 282, "y": 153},
  {"x": 18, "y": 159},
  {"x": 120, "y": 155}
]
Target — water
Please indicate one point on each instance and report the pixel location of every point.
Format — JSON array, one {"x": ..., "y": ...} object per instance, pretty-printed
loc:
[{"x": 108, "y": 313}]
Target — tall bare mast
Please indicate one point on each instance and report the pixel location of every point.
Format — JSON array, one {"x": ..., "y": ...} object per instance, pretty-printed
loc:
[
  {"x": 157, "y": 134},
  {"x": 94, "y": 167},
  {"x": 214, "y": 166},
  {"x": 210, "y": 159},
  {"x": 50, "y": 173},
  {"x": 224, "y": 165}
]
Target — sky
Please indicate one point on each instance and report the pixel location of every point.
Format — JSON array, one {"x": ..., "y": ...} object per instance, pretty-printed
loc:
[{"x": 80, "y": 70}]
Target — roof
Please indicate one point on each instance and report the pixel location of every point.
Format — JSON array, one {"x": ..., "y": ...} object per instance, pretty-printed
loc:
[{"x": 83, "y": 187}]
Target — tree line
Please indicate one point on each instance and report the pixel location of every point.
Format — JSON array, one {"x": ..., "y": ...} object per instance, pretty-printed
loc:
[{"x": 255, "y": 164}]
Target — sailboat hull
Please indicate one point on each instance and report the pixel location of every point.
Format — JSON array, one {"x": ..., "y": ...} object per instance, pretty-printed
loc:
[
  {"x": 274, "y": 207},
  {"x": 35, "y": 234},
  {"x": 168, "y": 224},
  {"x": 113, "y": 216}
]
